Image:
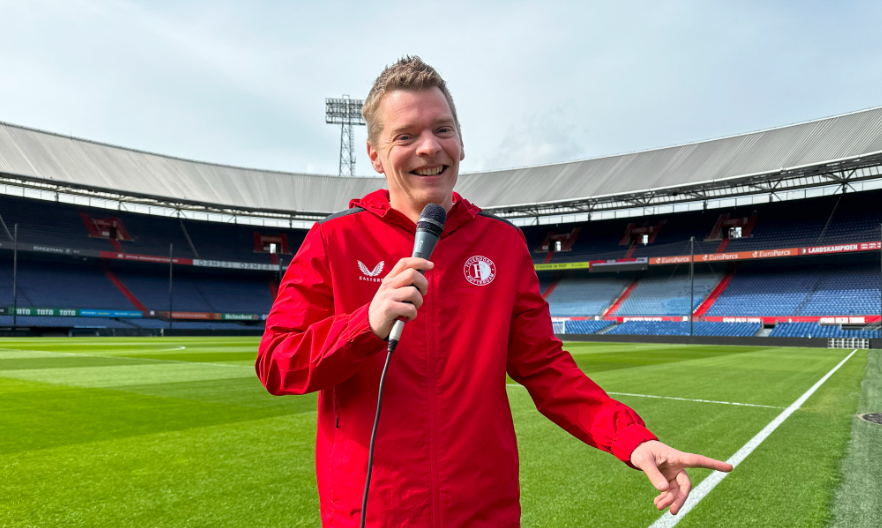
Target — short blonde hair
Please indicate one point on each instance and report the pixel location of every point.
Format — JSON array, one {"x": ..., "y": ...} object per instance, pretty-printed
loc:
[{"x": 409, "y": 73}]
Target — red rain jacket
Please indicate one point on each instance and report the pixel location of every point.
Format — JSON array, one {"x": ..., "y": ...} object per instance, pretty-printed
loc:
[{"x": 446, "y": 452}]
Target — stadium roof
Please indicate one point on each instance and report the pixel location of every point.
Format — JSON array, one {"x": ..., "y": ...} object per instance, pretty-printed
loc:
[{"x": 838, "y": 149}]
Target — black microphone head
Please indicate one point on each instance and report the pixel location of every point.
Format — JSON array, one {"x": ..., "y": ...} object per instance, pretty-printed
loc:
[{"x": 432, "y": 219}]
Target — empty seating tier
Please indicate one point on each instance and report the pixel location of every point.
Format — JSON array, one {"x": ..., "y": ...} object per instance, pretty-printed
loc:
[
  {"x": 667, "y": 294},
  {"x": 700, "y": 328},
  {"x": 815, "y": 330},
  {"x": 583, "y": 296}
]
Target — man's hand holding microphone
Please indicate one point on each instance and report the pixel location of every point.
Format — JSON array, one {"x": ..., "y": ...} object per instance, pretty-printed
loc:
[
  {"x": 396, "y": 301},
  {"x": 400, "y": 295}
]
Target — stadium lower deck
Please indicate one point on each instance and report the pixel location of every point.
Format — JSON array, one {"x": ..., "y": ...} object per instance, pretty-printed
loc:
[{"x": 88, "y": 268}]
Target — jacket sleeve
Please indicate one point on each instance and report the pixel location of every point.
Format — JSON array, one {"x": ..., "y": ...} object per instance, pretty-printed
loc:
[
  {"x": 307, "y": 346},
  {"x": 559, "y": 388}
]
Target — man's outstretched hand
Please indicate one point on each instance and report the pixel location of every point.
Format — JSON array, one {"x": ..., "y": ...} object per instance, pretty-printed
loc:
[{"x": 666, "y": 467}]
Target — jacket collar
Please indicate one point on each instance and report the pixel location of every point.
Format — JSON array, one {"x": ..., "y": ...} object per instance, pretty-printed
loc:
[{"x": 377, "y": 203}]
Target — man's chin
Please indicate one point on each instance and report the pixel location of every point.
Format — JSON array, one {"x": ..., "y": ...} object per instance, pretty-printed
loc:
[{"x": 422, "y": 199}]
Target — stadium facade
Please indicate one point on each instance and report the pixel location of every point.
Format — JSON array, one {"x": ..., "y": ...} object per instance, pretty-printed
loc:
[{"x": 781, "y": 228}]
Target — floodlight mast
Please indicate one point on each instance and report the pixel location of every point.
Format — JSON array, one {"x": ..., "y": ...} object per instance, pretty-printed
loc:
[{"x": 345, "y": 112}]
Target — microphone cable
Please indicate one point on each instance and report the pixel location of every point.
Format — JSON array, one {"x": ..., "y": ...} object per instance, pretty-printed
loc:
[{"x": 367, "y": 483}]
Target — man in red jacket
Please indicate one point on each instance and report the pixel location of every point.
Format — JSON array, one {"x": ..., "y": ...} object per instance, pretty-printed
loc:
[{"x": 446, "y": 452}]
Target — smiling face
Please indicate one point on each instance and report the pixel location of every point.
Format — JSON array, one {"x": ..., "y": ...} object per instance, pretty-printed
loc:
[{"x": 418, "y": 150}]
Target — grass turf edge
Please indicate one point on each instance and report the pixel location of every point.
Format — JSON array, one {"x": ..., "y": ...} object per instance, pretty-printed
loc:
[{"x": 858, "y": 498}]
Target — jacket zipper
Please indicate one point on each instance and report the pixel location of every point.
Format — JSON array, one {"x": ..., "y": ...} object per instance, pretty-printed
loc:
[
  {"x": 336, "y": 407},
  {"x": 433, "y": 419}
]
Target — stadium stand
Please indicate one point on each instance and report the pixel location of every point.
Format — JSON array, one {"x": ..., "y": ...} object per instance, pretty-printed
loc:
[
  {"x": 584, "y": 296},
  {"x": 856, "y": 219},
  {"x": 70, "y": 322},
  {"x": 820, "y": 331},
  {"x": 811, "y": 290},
  {"x": 61, "y": 225},
  {"x": 766, "y": 292},
  {"x": 667, "y": 294},
  {"x": 832, "y": 287},
  {"x": 585, "y": 326},
  {"x": 194, "y": 292},
  {"x": 670, "y": 328},
  {"x": 76, "y": 257},
  {"x": 847, "y": 218},
  {"x": 83, "y": 284},
  {"x": 194, "y": 325},
  {"x": 704, "y": 328},
  {"x": 56, "y": 283},
  {"x": 845, "y": 289}
]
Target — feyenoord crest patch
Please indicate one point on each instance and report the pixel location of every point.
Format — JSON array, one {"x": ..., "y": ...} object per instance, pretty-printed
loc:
[{"x": 479, "y": 270}]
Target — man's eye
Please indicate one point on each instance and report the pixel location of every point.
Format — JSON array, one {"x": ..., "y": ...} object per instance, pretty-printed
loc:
[{"x": 403, "y": 137}]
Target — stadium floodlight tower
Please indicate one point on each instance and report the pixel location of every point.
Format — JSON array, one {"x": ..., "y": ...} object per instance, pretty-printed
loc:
[{"x": 345, "y": 112}]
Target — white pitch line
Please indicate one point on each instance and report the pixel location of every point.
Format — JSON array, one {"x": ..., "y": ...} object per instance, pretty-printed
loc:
[
  {"x": 667, "y": 520},
  {"x": 674, "y": 398},
  {"x": 695, "y": 400}
]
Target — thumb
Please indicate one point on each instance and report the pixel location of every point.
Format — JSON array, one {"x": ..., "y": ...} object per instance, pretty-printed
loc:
[{"x": 654, "y": 475}]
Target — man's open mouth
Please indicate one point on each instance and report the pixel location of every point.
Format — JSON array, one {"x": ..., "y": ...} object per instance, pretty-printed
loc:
[{"x": 430, "y": 171}]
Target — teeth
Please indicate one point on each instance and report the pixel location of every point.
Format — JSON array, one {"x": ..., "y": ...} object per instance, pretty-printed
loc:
[{"x": 429, "y": 172}]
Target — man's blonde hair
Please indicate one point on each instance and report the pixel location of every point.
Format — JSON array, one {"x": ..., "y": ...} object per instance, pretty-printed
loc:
[{"x": 410, "y": 74}]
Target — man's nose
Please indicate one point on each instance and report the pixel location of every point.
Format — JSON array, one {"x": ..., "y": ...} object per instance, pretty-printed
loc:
[{"x": 428, "y": 145}]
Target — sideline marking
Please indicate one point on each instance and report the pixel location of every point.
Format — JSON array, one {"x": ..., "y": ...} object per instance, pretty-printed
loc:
[
  {"x": 667, "y": 520},
  {"x": 674, "y": 398}
]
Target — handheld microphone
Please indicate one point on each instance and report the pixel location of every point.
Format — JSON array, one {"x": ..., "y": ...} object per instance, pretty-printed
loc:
[{"x": 429, "y": 229}]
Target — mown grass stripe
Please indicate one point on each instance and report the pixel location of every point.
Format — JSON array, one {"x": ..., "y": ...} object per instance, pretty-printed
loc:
[
  {"x": 138, "y": 358},
  {"x": 668, "y": 520}
]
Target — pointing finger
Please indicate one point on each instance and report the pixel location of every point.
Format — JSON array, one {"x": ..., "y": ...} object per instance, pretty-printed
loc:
[{"x": 700, "y": 461}]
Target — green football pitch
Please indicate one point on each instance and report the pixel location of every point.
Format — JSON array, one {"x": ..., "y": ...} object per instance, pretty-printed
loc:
[{"x": 161, "y": 432}]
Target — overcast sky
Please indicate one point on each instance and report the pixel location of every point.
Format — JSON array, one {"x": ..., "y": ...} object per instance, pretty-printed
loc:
[{"x": 243, "y": 83}]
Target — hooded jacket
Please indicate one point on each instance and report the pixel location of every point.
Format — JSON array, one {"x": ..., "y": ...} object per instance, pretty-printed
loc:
[{"x": 446, "y": 453}]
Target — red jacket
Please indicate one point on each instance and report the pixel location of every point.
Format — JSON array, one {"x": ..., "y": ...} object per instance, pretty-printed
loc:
[{"x": 446, "y": 452}]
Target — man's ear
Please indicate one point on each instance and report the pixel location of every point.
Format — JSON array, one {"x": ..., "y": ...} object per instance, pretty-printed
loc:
[
  {"x": 374, "y": 156},
  {"x": 461, "y": 149}
]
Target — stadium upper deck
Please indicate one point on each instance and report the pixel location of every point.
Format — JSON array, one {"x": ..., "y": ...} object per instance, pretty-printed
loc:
[
  {"x": 843, "y": 219},
  {"x": 850, "y": 218}
]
